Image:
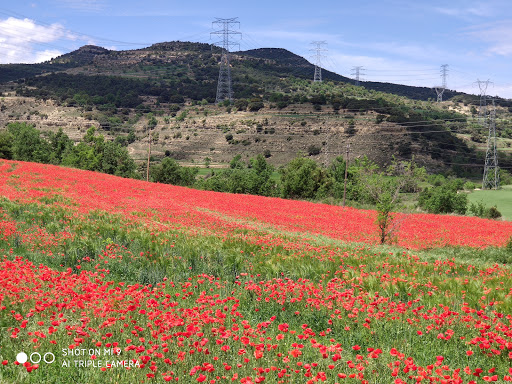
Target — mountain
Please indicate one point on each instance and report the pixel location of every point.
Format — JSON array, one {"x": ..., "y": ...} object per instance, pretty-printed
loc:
[
  {"x": 278, "y": 109},
  {"x": 277, "y": 61}
]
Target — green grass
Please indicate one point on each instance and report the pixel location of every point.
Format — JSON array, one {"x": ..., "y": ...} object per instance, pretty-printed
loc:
[{"x": 501, "y": 198}]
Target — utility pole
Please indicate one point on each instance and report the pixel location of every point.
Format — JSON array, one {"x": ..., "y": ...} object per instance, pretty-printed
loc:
[
  {"x": 356, "y": 71},
  {"x": 149, "y": 154},
  {"x": 318, "y": 59},
  {"x": 441, "y": 88},
  {"x": 224, "y": 87},
  {"x": 346, "y": 174}
]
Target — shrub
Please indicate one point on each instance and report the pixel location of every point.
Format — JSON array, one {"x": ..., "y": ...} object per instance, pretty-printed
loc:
[
  {"x": 170, "y": 172},
  {"x": 493, "y": 213},
  {"x": 241, "y": 104},
  {"x": 480, "y": 210},
  {"x": 444, "y": 199},
  {"x": 313, "y": 150},
  {"x": 255, "y": 106}
]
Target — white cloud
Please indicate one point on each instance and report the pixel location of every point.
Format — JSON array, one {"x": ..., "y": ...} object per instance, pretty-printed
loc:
[
  {"x": 84, "y": 5},
  {"x": 46, "y": 55},
  {"x": 497, "y": 36},
  {"x": 20, "y": 39},
  {"x": 478, "y": 10},
  {"x": 383, "y": 69}
]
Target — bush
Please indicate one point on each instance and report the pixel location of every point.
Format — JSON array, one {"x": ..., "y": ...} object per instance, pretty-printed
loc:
[
  {"x": 170, "y": 172},
  {"x": 444, "y": 199},
  {"x": 255, "y": 106},
  {"x": 479, "y": 209},
  {"x": 313, "y": 150},
  {"x": 303, "y": 178},
  {"x": 241, "y": 104},
  {"x": 493, "y": 213}
]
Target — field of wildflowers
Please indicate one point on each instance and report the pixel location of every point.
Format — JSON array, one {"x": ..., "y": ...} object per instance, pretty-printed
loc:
[{"x": 111, "y": 280}]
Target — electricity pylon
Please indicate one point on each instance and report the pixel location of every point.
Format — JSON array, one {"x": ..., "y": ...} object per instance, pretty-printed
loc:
[
  {"x": 224, "y": 86},
  {"x": 356, "y": 72},
  {"x": 318, "y": 62},
  {"x": 491, "y": 178},
  {"x": 441, "y": 88}
]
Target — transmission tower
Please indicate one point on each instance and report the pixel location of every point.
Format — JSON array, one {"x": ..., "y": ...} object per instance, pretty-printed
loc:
[
  {"x": 441, "y": 88},
  {"x": 318, "y": 59},
  {"x": 491, "y": 178},
  {"x": 356, "y": 72},
  {"x": 224, "y": 87}
]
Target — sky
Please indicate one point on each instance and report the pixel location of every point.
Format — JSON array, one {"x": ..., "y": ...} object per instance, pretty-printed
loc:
[{"x": 397, "y": 41}]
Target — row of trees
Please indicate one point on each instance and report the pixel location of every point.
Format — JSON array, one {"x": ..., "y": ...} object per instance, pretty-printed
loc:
[{"x": 21, "y": 141}]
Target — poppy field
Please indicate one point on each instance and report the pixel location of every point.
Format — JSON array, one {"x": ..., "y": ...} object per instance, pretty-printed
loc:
[{"x": 112, "y": 280}]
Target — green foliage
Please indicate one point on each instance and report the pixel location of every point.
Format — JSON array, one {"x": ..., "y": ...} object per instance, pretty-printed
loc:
[
  {"x": 255, "y": 106},
  {"x": 479, "y": 209},
  {"x": 241, "y": 104},
  {"x": 493, "y": 213},
  {"x": 236, "y": 162},
  {"x": 303, "y": 178},
  {"x": 443, "y": 199},
  {"x": 508, "y": 246},
  {"x": 255, "y": 180},
  {"x": 6, "y": 145},
  {"x": 27, "y": 144},
  {"x": 409, "y": 174},
  {"x": 505, "y": 177},
  {"x": 385, "y": 206},
  {"x": 170, "y": 172},
  {"x": 95, "y": 154}
]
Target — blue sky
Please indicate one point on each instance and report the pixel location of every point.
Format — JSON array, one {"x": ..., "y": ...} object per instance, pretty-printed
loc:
[{"x": 399, "y": 41}]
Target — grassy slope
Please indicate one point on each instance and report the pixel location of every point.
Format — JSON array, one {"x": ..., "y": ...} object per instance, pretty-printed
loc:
[{"x": 501, "y": 198}]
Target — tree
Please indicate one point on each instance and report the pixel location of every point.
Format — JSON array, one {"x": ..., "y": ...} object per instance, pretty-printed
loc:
[
  {"x": 170, "y": 172},
  {"x": 261, "y": 180},
  {"x": 59, "y": 145},
  {"x": 115, "y": 160},
  {"x": 303, "y": 178},
  {"x": 385, "y": 192},
  {"x": 236, "y": 162},
  {"x": 443, "y": 199},
  {"x": 27, "y": 144},
  {"x": 6, "y": 145}
]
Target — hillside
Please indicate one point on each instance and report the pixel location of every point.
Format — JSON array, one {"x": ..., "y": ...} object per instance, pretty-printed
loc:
[{"x": 278, "y": 110}]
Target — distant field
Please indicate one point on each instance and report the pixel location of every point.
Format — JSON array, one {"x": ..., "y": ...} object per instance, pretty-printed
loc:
[{"x": 501, "y": 198}]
